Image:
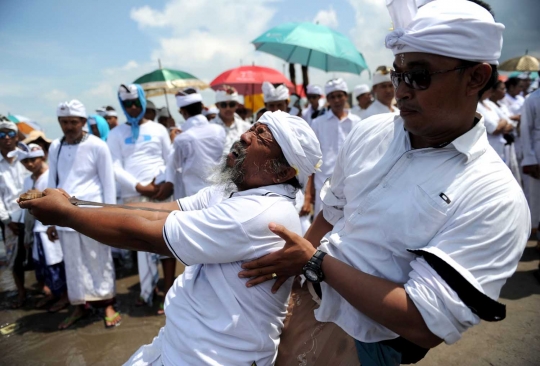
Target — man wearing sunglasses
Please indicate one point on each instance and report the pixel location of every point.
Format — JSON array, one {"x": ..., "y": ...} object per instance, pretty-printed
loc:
[
  {"x": 422, "y": 222},
  {"x": 234, "y": 126},
  {"x": 384, "y": 94},
  {"x": 314, "y": 108},
  {"x": 12, "y": 175}
]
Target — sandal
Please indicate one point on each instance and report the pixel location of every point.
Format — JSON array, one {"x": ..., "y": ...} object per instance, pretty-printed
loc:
[
  {"x": 70, "y": 320},
  {"x": 161, "y": 310},
  {"x": 107, "y": 319}
]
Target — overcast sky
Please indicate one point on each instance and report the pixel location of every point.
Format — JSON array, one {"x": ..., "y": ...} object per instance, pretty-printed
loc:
[{"x": 55, "y": 50}]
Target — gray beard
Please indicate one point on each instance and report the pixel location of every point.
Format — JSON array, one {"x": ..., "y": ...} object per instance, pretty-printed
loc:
[{"x": 229, "y": 177}]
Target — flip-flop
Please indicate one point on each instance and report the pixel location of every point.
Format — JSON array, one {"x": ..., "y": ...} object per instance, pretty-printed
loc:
[
  {"x": 73, "y": 319},
  {"x": 161, "y": 310},
  {"x": 112, "y": 319},
  {"x": 56, "y": 308}
]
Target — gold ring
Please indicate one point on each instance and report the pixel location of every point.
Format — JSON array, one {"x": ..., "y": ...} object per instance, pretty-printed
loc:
[{"x": 274, "y": 275}]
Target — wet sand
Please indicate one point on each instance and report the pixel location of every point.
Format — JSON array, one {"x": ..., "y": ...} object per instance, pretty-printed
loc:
[{"x": 514, "y": 341}]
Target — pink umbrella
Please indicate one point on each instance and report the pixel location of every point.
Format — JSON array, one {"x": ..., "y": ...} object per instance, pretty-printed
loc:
[{"x": 248, "y": 79}]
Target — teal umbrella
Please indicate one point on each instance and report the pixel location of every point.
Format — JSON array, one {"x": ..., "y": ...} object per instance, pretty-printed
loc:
[{"x": 312, "y": 45}]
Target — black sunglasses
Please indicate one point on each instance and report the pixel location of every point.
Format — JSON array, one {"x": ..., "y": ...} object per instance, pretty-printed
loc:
[
  {"x": 228, "y": 104},
  {"x": 132, "y": 102},
  {"x": 10, "y": 134},
  {"x": 418, "y": 79}
]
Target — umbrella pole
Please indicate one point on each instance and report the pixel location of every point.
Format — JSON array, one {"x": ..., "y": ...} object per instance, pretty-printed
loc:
[{"x": 167, "y": 101}]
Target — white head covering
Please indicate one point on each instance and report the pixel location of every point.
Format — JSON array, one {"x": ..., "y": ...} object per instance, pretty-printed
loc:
[
  {"x": 226, "y": 94},
  {"x": 273, "y": 94},
  {"x": 379, "y": 77},
  {"x": 128, "y": 92},
  {"x": 24, "y": 151},
  {"x": 211, "y": 110},
  {"x": 314, "y": 89},
  {"x": 183, "y": 99},
  {"x": 454, "y": 28},
  {"x": 111, "y": 113},
  {"x": 101, "y": 111},
  {"x": 297, "y": 141},
  {"x": 73, "y": 108},
  {"x": 335, "y": 85},
  {"x": 361, "y": 89},
  {"x": 7, "y": 124}
]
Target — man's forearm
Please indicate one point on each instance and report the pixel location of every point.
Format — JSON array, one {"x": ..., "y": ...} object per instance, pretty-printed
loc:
[
  {"x": 319, "y": 228},
  {"x": 384, "y": 301},
  {"x": 125, "y": 230}
]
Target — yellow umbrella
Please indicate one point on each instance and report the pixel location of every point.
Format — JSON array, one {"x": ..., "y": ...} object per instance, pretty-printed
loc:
[{"x": 522, "y": 63}]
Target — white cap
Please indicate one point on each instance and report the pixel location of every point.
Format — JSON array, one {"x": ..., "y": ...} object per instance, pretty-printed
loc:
[
  {"x": 314, "y": 89},
  {"x": 379, "y": 77},
  {"x": 361, "y": 89},
  {"x": 73, "y": 108},
  {"x": 453, "y": 28},
  {"x": 336, "y": 85},
  {"x": 298, "y": 142},
  {"x": 273, "y": 94},
  {"x": 211, "y": 110},
  {"x": 227, "y": 93},
  {"x": 128, "y": 92},
  {"x": 5, "y": 123},
  {"x": 183, "y": 99}
]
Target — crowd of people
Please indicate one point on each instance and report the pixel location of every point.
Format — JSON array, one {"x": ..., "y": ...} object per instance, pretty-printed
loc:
[{"x": 405, "y": 213}]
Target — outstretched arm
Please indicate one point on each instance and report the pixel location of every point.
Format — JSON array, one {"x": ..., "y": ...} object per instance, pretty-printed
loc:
[{"x": 127, "y": 230}]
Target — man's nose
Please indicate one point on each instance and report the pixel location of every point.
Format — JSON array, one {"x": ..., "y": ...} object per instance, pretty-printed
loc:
[{"x": 403, "y": 91}]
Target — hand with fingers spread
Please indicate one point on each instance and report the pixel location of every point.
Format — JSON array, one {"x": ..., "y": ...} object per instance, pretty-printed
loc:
[{"x": 281, "y": 264}]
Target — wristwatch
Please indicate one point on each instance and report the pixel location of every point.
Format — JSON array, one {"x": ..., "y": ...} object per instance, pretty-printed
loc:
[{"x": 312, "y": 270}]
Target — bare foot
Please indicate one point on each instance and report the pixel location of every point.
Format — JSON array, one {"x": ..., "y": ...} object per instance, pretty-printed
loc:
[
  {"x": 77, "y": 314},
  {"x": 44, "y": 301},
  {"x": 161, "y": 310},
  {"x": 112, "y": 317},
  {"x": 19, "y": 302},
  {"x": 59, "y": 305}
]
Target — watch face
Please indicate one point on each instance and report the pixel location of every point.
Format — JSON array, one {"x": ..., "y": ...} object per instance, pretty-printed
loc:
[{"x": 311, "y": 275}]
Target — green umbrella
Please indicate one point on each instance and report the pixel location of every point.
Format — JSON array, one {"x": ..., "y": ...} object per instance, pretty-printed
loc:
[
  {"x": 312, "y": 45},
  {"x": 167, "y": 81}
]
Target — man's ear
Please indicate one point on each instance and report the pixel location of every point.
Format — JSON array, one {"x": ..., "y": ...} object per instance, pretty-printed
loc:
[
  {"x": 284, "y": 175},
  {"x": 478, "y": 77}
]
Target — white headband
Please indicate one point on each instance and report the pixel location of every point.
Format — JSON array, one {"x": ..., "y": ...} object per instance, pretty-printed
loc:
[
  {"x": 226, "y": 95},
  {"x": 298, "y": 142},
  {"x": 29, "y": 151},
  {"x": 314, "y": 89},
  {"x": 361, "y": 89},
  {"x": 188, "y": 99},
  {"x": 129, "y": 94},
  {"x": 453, "y": 28},
  {"x": 73, "y": 108},
  {"x": 336, "y": 85},
  {"x": 8, "y": 125},
  {"x": 110, "y": 114},
  {"x": 379, "y": 78},
  {"x": 273, "y": 94}
]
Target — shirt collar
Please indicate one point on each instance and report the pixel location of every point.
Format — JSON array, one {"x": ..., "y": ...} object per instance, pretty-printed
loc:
[
  {"x": 197, "y": 120},
  {"x": 474, "y": 142},
  {"x": 220, "y": 122},
  {"x": 331, "y": 114},
  {"x": 285, "y": 190}
]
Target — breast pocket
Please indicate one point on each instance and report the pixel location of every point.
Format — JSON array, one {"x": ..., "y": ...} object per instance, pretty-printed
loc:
[{"x": 413, "y": 221}]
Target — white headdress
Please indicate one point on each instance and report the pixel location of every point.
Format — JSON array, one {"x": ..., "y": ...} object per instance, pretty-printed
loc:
[
  {"x": 24, "y": 151},
  {"x": 361, "y": 89},
  {"x": 226, "y": 94},
  {"x": 314, "y": 89},
  {"x": 73, "y": 108},
  {"x": 128, "y": 92},
  {"x": 273, "y": 94},
  {"x": 183, "y": 99},
  {"x": 336, "y": 85}
]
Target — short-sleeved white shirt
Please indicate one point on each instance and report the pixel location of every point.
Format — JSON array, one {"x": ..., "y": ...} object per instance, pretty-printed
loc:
[
  {"x": 212, "y": 317},
  {"x": 459, "y": 203},
  {"x": 377, "y": 108}
]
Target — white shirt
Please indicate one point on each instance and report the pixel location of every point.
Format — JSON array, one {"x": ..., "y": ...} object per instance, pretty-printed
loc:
[
  {"x": 84, "y": 170},
  {"x": 460, "y": 203},
  {"x": 233, "y": 132},
  {"x": 196, "y": 153},
  {"x": 11, "y": 186},
  {"x": 513, "y": 104},
  {"x": 138, "y": 162},
  {"x": 308, "y": 112},
  {"x": 331, "y": 133},
  {"x": 40, "y": 184},
  {"x": 197, "y": 120},
  {"x": 212, "y": 317},
  {"x": 378, "y": 108},
  {"x": 492, "y": 116},
  {"x": 530, "y": 129}
]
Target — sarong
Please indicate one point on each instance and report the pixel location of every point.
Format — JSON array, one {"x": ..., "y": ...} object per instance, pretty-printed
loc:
[
  {"x": 54, "y": 275},
  {"x": 89, "y": 268}
]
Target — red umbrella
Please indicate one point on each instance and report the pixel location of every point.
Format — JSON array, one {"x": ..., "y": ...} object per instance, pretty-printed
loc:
[{"x": 248, "y": 79}]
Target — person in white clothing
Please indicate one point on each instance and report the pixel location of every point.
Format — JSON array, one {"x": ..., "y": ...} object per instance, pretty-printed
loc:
[
  {"x": 331, "y": 129},
  {"x": 315, "y": 98},
  {"x": 197, "y": 151},
  {"x": 513, "y": 99},
  {"x": 530, "y": 138},
  {"x": 384, "y": 94},
  {"x": 12, "y": 174},
  {"x": 276, "y": 98},
  {"x": 227, "y": 102},
  {"x": 81, "y": 164},
  {"x": 140, "y": 149},
  {"x": 212, "y": 318},
  {"x": 422, "y": 222},
  {"x": 47, "y": 255},
  {"x": 496, "y": 124},
  {"x": 362, "y": 94}
]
